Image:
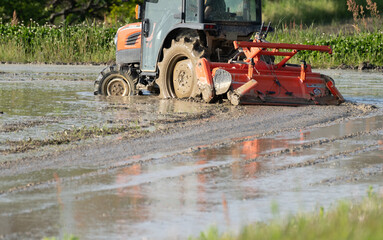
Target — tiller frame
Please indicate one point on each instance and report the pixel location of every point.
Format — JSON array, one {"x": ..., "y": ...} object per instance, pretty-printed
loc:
[{"x": 258, "y": 80}]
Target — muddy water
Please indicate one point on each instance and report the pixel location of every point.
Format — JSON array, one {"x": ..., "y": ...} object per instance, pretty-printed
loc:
[
  {"x": 175, "y": 194},
  {"x": 356, "y": 86},
  {"x": 37, "y": 101}
]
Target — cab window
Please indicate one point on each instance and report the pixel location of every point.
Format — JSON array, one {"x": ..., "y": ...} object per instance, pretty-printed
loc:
[{"x": 232, "y": 10}]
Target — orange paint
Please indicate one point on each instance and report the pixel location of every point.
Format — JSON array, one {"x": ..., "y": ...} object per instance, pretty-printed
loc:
[{"x": 129, "y": 36}]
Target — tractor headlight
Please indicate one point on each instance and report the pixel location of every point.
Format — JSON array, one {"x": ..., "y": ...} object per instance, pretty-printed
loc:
[{"x": 115, "y": 39}]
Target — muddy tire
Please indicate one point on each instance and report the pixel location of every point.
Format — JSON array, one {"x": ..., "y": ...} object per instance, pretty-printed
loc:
[
  {"x": 116, "y": 81},
  {"x": 177, "y": 78}
]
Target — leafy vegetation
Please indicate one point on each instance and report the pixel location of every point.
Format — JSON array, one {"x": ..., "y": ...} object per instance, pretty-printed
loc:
[
  {"x": 348, "y": 49},
  {"x": 345, "y": 221},
  {"x": 92, "y": 41},
  {"x": 67, "y": 11},
  {"x": 50, "y": 44},
  {"x": 315, "y": 11}
]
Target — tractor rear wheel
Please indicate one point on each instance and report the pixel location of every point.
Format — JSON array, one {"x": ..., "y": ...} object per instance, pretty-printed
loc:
[
  {"x": 116, "y": 81},
  {"x": 177, "y": 78}
]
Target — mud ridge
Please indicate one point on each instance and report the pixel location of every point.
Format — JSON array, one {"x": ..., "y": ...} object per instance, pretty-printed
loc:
[
  {"x": 219, "y": 167},
  {"x": 10, "y": 77},
  {"x": 355, "y": 176},
  {"x": 20, "y": 126},
  {"x": 304, "y": 147},
  {"x": 307, "y": 163},
  {"x": 171, "y": 128}
]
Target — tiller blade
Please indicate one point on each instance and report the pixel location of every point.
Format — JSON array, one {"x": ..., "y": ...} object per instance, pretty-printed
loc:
[{"x": 258, "y": 80}]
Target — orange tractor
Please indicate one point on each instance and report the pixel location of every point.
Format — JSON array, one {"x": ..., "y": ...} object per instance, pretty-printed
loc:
[{"x": 204, "y": 48}]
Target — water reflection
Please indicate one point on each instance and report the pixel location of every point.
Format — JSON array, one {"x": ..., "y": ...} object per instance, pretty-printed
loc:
[{"x": 246, "y": 150}]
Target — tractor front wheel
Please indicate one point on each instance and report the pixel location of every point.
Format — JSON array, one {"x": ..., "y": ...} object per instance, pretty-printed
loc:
[
  {"x": 116, "y": 81},
  {"x": 177, "y": 78}
]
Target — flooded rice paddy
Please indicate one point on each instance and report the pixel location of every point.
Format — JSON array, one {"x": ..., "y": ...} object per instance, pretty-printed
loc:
[{"x": 189, "y": 166}]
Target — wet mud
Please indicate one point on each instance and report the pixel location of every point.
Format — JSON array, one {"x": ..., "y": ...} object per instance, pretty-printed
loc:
[{"x": 143, "y": 167}]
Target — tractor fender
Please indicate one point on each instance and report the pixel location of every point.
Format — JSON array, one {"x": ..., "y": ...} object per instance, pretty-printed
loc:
[{"x": 181, "y": 30}]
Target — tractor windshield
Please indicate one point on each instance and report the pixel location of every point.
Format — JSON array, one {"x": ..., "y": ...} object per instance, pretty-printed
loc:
[{"x": 232, "y": 10}]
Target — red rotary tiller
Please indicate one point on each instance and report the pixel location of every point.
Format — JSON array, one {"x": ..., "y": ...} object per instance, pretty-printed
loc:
[{"x": 256, "y": 79}]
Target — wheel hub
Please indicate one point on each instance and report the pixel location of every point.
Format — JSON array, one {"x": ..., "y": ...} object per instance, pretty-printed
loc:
[
  {"x": 183, "y": 78},
  {"x": 118, "y": 87}
]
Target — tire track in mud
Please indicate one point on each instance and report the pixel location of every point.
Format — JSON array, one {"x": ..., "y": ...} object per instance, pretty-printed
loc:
[
  {"x": 173, "y": 120},
  {"x": 188, "y": 154},
  {"x": 311, "y": 162},
  {"x": 348, "y": 110},
  {"x": 355, "y": 176},
  {"x": 220, "y": 140},
  {"x": 127, "y": 163},
  {"x": 20, "y": 126},
  {"x": 38, "y": 76}
]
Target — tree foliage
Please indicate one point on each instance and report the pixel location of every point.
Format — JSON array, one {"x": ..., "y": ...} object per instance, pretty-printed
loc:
[
  {"x": 67, "y": 11},
  {"x": 25, "y": 10}
]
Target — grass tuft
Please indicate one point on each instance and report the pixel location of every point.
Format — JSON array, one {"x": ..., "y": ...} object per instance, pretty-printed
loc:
[
  {"x": 346, "y": 221},
  {"x": 66, "y": 237}
]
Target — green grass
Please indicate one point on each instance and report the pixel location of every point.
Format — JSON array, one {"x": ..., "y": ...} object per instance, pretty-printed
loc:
[
  {"x": 345, "y": 221},
  {"x": 350, "y": 49},
  {"x": 66, "y": 237},
  {"x": 50, "y": 44}
]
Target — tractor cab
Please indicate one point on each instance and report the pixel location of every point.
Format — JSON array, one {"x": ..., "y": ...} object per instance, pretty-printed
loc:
[{"x": 214, "y": 22}]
